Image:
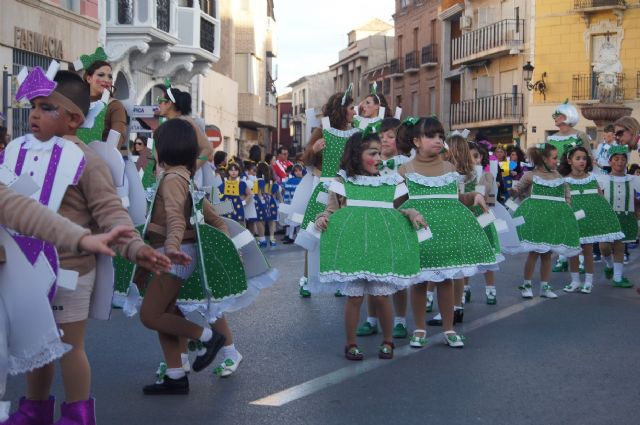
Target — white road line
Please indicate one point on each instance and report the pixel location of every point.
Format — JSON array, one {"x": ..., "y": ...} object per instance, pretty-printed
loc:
[{"x": 333, "y": 378}]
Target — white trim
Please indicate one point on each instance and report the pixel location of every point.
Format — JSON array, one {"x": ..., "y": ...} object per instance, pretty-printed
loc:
[
  {"x": 434, "y": 196},
  {"x": 436, "y": 181},
  {"x": 549, "y": 198},
  {"x": 369, "y": 204},
  {"x": 337, "y": 187},
  {"x": 588, "y": 179},
  {"x": 548, "y": 183},
  {"x": 584, "y": 192},
  {"x": 401, "y": 190}
]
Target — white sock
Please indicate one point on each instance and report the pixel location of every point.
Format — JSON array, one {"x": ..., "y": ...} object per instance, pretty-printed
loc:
[
  {"x": 430, "y": 296},
  {"x": 184, "y": 357},
  {"x": 526, "y": 282},
  {"x": 399, "y": 320},
  {"x": 373, "y": 321},
  {"x": 437, "y": 317},
  {"x": 575, "y": 277},
  {"x": 230, "y": 352},
  {"x": 207, "y": 333},
  {"x": 608, "y": 261},
  {"x": 588, "y": 279},
  {"x": 176, "y": 373},
  {"x": 617, "y": 271},
  {"x": 490, "y": 289},
  {"x": 562, "y": 258},
  {"x": 261, "y": 238},
  {"x": 457, "y": 307},
  {"x": 581, "y": 259},
  {"x": 543, "y": 284}
]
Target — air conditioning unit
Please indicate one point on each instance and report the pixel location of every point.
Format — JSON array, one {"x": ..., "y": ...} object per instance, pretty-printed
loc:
[{"x": 466, "y": 22}]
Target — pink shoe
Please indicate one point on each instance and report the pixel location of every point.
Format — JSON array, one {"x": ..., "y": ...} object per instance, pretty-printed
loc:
[
  {"x": 32, "y": 412},
  {"x": 78, "y": 413}
]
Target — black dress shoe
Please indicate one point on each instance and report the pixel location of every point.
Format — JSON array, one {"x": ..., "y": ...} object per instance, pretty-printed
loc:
[
  {"x": 287, "y": 241},
  {"x": 458, "y": 316},
  {"x": 212, "y": 346},
  {"x": 434, "y": 322},
  {"x": 168, "y": 386}
]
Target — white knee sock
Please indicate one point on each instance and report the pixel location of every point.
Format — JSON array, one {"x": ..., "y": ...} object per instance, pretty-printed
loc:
[
  {"x": 399, "y": 320},
  {"x": 608, "y": 261},
  {"x": 207, "y": 333},
  {"x": 617, "y": 271},
  {"x": 230, "y": 352},
  {"x": 373, "y": 321},
  {"x": 575, "y": 277},
  {"x": 588, "y": 279}
]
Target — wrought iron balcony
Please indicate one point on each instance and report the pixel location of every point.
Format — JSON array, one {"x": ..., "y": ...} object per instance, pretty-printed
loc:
[
  {"x": 155, "y": 18},
  {"x": 491, "y": 110},
  {"x": 585, "y": 87},
  {"x": 199, "y": 34},
  {"x": 411, "y": 62},
  {"x": 493, "y": 40},
  {"x": 396, "y": 69},
  {"x": 586, "y": 5},
  {"x": 429, "y": 55}
]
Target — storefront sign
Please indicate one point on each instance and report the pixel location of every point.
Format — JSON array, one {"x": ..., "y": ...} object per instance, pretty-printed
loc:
[
  {"x": 144, "y": 111},
  {"x": 38, "y": 43}
]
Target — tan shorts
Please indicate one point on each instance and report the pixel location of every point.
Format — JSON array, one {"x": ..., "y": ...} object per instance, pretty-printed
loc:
[{"x": 73, "y": 306}]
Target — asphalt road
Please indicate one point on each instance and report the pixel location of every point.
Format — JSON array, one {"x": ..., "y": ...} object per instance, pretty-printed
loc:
[{"x": 573, "y": 360}]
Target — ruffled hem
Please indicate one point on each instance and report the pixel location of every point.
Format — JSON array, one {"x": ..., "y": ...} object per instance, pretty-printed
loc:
[
  {"x": 585, "y": 180},
  {"x": 400, "y": 281},
  {"x": 354, "y": 289},
  {"x": 441, "y": 275},
  {"x": 437, "y": 181},
  {"x": 562, "y": 138},
  {"x": 50, "y": 352},
  {"x": 609, "y": 237},
  {"x": 548, "y": 183},
  {"x": 542, "y": 248},
  {"x": 389, "y": 179},
  {"x": 342, "y": 133}
]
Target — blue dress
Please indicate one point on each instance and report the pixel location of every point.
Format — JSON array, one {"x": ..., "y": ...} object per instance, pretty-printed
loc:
[
  {"x": 271, "y": 192},
  {"x": 233, "y": 190}
]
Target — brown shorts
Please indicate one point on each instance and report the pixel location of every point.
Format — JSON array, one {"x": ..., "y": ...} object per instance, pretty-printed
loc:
[{"x": 73, "y": 306}]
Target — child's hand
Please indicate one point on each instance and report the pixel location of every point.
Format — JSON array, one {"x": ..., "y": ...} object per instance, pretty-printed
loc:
[
  {"x": 419, "y": 222},
  {"x": 99, "y": 244},
  {"x": 318, "y": 145},
  {"x": 153, "y": 260},
  {"x": 322, "y": 222},
  {"x": 178, "y": 257},
  {"x": 478, "y": 200}
]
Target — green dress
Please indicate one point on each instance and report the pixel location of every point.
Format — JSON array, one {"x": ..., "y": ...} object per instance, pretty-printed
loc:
[
  {"x": 600, "y": 223},
  {"x": 561, "y": 143},
  {"x": 459, "y": 244},
  {"x": 368, "y": 239},
  {"x": 550, "y": 224},
  {"x": 88, "y": 135},
  {"x": 620, "y": 192},
  {"x": 490, "y": 230}
]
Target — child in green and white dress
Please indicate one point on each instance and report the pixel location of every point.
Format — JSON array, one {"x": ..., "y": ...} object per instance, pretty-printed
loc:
[
  {"x": 367, "y": 246},
  {"x": 599, "y": 224},
  {"x": 550, "y": 224},
  {"x": 620, "y": 190}
]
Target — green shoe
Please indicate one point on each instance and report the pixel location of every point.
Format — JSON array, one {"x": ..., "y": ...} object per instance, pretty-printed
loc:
[
  {"x": 367, "y": 329},
  {"x": 418, "y": 341},
  {"x": 338, "y": 294},
  {"x": 304, "y": 293},
  {"x": 560, "y": 266},
  {"x": 623, "y": 283},
  {"x": 581, "y": 269},
  {"x": 608, "y": 272},
  {"x": 399, "y": 331}
]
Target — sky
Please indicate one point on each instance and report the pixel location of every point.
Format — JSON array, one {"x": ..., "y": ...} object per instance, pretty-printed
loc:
[{"x": 311, "y": 33}]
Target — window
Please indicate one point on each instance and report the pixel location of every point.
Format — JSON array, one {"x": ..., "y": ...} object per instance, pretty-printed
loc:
[
  {"x": 284, "y": 121},
  {"x": 72, "y": 5},
  {"x": 163, "y": 15},
  {"x": 247, "y": 72},
  {"x": 20, "y": 121},
  {"x": 125, "y": 12},
  {"x": 404, "y": 4},
  {"x": 432, "y": 100}
]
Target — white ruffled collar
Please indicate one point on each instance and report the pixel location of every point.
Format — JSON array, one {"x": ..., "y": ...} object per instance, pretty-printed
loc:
[
  {"x": 549, "y": 183},
  {"x": 561, "y": 138},
  {"x": 436, "y": 181},
  {"x": 33, "y": 144},
  {"x": 389, "y": 179},
  {"x": 341, "y": 133},
  {"x": 588, "y": 179}
]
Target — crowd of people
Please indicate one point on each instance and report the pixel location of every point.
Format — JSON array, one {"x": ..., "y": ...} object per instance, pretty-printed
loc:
[{"x": 424, "y": 210}]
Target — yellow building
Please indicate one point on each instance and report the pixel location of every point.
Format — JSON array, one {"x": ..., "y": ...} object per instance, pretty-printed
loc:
[{"x": 574, "y": 41}]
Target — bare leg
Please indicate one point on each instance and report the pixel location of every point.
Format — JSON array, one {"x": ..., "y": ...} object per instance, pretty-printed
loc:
[
  {"x": 458, "y": 292},
  {"x": 445, "y": 303},
  {"x": 530, "y": 265},
  {"x": 618, "y": 252},
  {"x": 418, "y": 299},
  {"x": 400, "y": 303},
  {"x": 574, "y": 263},
  {"x": 587, "y": 251},
  {"x": 222, "y": 326},
  {"x": 39, "y": 382},
  {"x": 351, "y": 317},
  {"x": 371, "y": 307},
  {"x": 545, "y": 266},
  {"x": 385, "y": 313},
  {"x": 76, "y": 371},
  {"x": 490, "y": 278}
]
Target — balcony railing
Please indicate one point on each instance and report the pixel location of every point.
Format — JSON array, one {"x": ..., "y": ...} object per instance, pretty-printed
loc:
[
  {"x": 488, "y": 40},
  {"x": 429, "y": 55},
  {"x": 396, "y": 67},
  {"x": 411, "y": 62},
  {"x": 590, "y": 4},
  {"x": 499, "y": 107},
  {"x": 585, "y": 87}
]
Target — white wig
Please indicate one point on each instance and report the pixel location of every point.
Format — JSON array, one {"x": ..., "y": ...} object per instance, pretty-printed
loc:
[{"x": 568, "y": 111}]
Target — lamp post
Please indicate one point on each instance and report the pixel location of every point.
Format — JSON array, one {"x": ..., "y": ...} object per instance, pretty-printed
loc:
[{"x": 539, "y": 86}]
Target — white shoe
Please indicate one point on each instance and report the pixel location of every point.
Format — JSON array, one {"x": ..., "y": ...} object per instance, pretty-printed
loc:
[
  {"x": 546, "y": 292},
  {"x": 586, "y": 288},
  {"x": 227, "y": 367},
  {"x": 526, "y": 291},
  {"x": 454, "y": 340},
  {"x": 572, "y": 287},
  {"x": 417, "y": 341}
]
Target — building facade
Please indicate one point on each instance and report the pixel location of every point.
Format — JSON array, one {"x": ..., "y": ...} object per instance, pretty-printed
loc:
[
  {"x": 369, "y": 46},
  {"x": 575, "y": 42},
  {"x": 308, "y": 92},
  {"x": 283, "y": 136},
  {"x": 35, "y": 32},
  {"x": 487, "y": 43},
  {"x": 412, "y": 80}
]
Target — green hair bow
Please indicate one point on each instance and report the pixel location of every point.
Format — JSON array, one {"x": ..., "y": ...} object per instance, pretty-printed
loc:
[
  {"x": 410, "y": 121},
  {"x": 372, "y": 128},
  {"x": 86, "y": 61},
  {"x": 167, "y": 85},
  {"x": 347, "y": 93},
  {"x": 374, "y": 88}
]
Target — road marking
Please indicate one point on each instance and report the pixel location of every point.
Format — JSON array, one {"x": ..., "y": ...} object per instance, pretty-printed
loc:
[{"x": 333, "y": 378}]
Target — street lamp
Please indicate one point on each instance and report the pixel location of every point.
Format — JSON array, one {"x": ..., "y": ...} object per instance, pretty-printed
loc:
[{"x": 539, "y": 86}]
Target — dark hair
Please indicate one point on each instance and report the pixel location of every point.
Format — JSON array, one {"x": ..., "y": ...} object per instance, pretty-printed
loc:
[
  {"x": 609, "y": 128},
  {"x": 428, "y": 126},
  {"x": 3, "y": 134},
  {"x": 93, "y": 68},
  {"x": 74, "y": 88},
  {"x": 143, "y": 139},
  {"x": 565, "y": 168},
  {"x": 351, "y": 161},
  {"x": 219, "y": 157},
  {"x": 255, "y": 153},
  {"x": 632, "y": 168},
  {"x": 379, "y": 99},
  {"x": 389, "y": 124},
  {"x": 296, "y": 167},
  {"x": 336, "y": 111},
  {"x": 537, "y": 156},
  {"x": 177, "y": 143},
  {"x": 264, "y": 171},
  {"x": 482, "y": 150},
  {"x": 281, "y": 149},
  {"x": 518, "y": 152},
  {"x": 248, "y": 165},
  {"x": 268, "y": 157},
  {"x": 233, "y": 166},
  {"x": 183, "y": 100}
]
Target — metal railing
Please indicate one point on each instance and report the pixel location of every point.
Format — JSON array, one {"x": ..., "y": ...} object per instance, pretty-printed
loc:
[
  {"x": 587, "y": 4},
  {"x": 505, "y": 33},
  {"x": 507, "y": 106},
  {"x": 411, "y": 61},
  {"x": 396, "y": 66},
  {"x": 429, "y": 54},
  {"x": 207, "y": 35},
  {"x": 585, "y": 87}
]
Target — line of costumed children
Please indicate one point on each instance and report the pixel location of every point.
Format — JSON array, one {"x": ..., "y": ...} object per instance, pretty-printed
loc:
[{"x": 188, "y": 258}]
